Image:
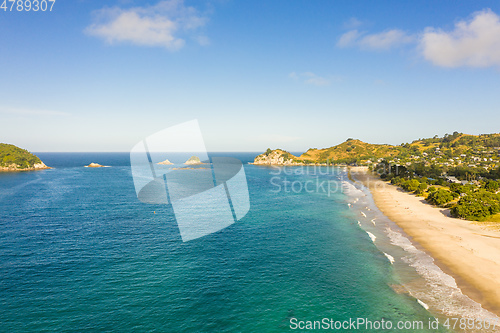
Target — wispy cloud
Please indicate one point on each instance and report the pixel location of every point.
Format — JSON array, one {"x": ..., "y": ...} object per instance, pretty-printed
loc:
[
  {"x": 161, "y": 25},
  {"x": 379, "y": 41},
  {"x": 473, "y": 43},
  {"x": 312, "y": 79},
  {"x": 352, "y": 23},
  {"x": 31, "y": 112}
]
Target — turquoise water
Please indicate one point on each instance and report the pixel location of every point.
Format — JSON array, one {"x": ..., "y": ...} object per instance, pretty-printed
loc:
[{"x": 79, "y": 252}]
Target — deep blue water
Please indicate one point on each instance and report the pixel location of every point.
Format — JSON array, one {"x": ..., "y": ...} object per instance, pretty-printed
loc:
[{"x": 79, "y": 252}]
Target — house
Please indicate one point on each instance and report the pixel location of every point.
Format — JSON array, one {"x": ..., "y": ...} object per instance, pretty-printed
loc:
[{"x": 452, "y": 179}]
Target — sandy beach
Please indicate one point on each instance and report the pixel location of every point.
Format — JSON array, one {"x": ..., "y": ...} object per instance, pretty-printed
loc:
[{"x": 466, "y": 250}]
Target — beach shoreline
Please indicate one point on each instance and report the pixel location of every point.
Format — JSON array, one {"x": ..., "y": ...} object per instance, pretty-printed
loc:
[{"x": 465, "y": 250}]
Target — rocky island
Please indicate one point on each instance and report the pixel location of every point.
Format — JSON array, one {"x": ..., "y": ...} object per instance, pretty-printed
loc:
[
  {"x": 193, "y": 160},
  {"x": 166, "y": 162},
  {"x": 13, "y": 158},
  {"x": 96, "y": 165}
]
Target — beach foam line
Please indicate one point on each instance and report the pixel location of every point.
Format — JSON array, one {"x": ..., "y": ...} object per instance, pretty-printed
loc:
[
  {"x": 372, "y": 236},
  {"x": 444, "y": 292},
  {"x": 425, "y": 306},
  {"x": 351, "y": 190},
  {"x": 391, "y": 258}
]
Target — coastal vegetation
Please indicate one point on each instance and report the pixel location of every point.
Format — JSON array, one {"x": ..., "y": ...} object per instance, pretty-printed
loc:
[
  {"x": 456, "y": 171},
  {"x": 15, "y": 158},
  {"x": 464, "y": 167}
]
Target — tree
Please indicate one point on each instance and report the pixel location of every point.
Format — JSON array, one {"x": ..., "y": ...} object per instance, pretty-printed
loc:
[
  {"x": 411, "y": 185},
  {"x": 491, "y": 186},
  {"x": 440, "y": 197},
  {"x": 477, "y": 206},
  {"x": 421, "y": 188},
  {"x": 268, "y": 151}
]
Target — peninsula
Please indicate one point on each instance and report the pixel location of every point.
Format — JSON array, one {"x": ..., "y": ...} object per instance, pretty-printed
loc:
[
  {"x": 13, "y": 158},
  {"x": 459, "y": 172}
]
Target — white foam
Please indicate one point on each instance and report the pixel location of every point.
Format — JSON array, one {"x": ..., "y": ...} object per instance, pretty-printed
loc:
[
  {"x": 444, "y": 293},
  {"x": 425, "y": 306},
  {"x": 351, "y": 190},
  {"x": 372, "y": 236},
  {"x": 391, "y": 258}
]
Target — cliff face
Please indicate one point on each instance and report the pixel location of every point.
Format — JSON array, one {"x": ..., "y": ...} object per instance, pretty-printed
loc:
[
  {"x": 16, "y": 167},
  {"x": 277, "y": 157}
]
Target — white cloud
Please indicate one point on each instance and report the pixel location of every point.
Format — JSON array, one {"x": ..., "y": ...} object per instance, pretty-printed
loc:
[
  {"x": 31, "y": 112},
  {"x": 349, "y": 38},
  {"x": 379, "y": 41},
  {"x": 475, "y": 43},
  {"x": 311, "y": 78},
  {"x": 158, "y": 25},
  {"x": 386, "y": 40}
]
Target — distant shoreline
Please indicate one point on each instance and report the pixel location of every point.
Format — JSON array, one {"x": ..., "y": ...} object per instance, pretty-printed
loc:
[{"x": 465, "y": 250}]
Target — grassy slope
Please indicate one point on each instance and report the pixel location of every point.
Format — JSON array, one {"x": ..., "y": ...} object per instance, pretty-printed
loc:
[{"x": 351, "y": 149}]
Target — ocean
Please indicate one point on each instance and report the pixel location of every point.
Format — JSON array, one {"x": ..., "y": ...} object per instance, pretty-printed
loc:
[{"x": 79, "y": 252}]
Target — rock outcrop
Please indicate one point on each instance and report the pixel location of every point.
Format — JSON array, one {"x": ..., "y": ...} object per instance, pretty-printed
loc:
[
  {"x": 277, "y": 157},
  {"x": 15, "y": 167},
  {"x": 166, "y": 162}
]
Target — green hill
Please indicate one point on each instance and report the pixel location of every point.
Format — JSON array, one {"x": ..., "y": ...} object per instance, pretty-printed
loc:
[
  {"x": 452, "y": 151},
  {"x": 350, "y": 151},
  {"x": 14, "y": 158}
]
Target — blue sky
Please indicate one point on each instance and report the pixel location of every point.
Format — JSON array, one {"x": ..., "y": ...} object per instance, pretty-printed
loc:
[{"x": 102, "y": 75}]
